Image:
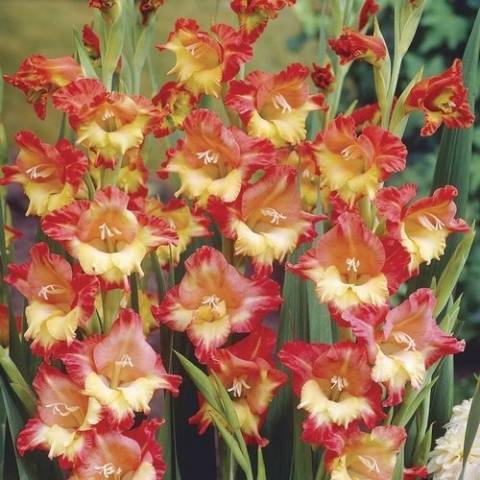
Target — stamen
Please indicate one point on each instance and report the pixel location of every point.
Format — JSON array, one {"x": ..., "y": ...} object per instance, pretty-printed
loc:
[
  {"x": 108, "y": 469},
  {"x": 46, "y": 290},
  {"x": 33, "y": 172},
  {"x": 192, "y": 49},
  {"x": 340, "y": 383},
  {"x": 402, "y": 337},
  {"x": 348, "y": 152},
  {"x": 353, "y": 264},
  {"x": 125, "y": 361},
  {"x": 58, "y": 406},
  {"x": 208, "y": 157},
  {"x": 212, "y": 301},
  {"x": 431, "y": 222},
  {"x": 280, "y": 102},
  {"x": 106, "y": 231},
  {"x": 237, "y": 386},
  {"x": 370, "y": 463},
  {"x": 276, "y": 216}
]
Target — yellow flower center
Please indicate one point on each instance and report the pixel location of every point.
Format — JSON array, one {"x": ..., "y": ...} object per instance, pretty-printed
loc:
[{"x": 237, "y": 387}]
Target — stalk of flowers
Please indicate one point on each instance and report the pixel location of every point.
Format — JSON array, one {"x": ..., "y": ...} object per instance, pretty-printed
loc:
[{"x": 274, "y": 196}]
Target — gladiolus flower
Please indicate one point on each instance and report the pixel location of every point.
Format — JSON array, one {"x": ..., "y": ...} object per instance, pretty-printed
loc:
[
  {"x": 323, "y": 77},
  {"x": 133, "y": 175},
  {"x": 214, "y": 300},
  {"x": 350, "y": 265},
  {"x": 59, "y": 299},
  {"x": 91, "y": 42},
  {"x": 369, "y": 8},
  {"x": 352, "y": 45},
  {"x": 176, "y": 102},
  {"x": 215, "y": 160},
  {"x": 187, "y": 222},
  {"x": 106, "y": 237},
  {"x": 403, "y": 342},
  {"x": 146, "y": 300},
  {"x": 206, "y": 61},
  {"x": 366, "y": 116},
  {"x": 49, "y": 174},
  {"x": 4, "y": 329},
  {"x": 107, "y": 123},
  {"x": 120, "y": 370},
  {"x": 335, "y": 387},
  {"x": 421, "y": 226},
  {"x": 131, "y": 455},
  {"x": 442, "y": 99},
  {"x": 247, "y": 372},
  {"x": 148, "y": 8},
  {"x": 39, "y": 76},
  {"x": 275, "y": 106},
  {"x": 356, "y": 165},
  {"x": 367, "y": 456},
  {"x": 266, "y": 221},
  {"x": 65, "y": 418},
  {"x": 253, "y": 15},
  {"x": 111, "y": 9}
]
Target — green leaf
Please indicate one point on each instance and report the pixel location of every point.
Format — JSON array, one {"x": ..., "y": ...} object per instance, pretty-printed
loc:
[
  {"x": 83, "y": 57},
  {"x": 442, "y": 396},
  {"x": 302, "y": 468},
  {"x": 142, "y": 49},
  {"x": 472, "y": 427},
  {"x": 399, "y": 465},
  {"x": 3, "y": 433}
]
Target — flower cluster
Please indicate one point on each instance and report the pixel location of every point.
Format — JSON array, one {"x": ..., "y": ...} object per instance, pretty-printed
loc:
[{"x": 249, "y": 192}]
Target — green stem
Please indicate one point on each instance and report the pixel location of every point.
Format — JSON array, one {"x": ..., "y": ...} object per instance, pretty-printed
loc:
[
  {"x": 134, "y": 292},
  {"x": 335, "y": 98},
  {"x": 397, "y": 63},
  {"x": 90, "y": 186}
]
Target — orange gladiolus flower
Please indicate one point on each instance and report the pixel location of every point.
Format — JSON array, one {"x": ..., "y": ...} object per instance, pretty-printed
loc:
[
  {"x": 335, "y": 387},
  {"x": 176, "y": 103},
  {"x": 442, "y": 99},
  {"x": 215, "y": 160},
  {"x": 107, "y": 123},
  {"x": 206, "y": 61},
  {"x": 214, "y": 300},
  {"x": 366, "y": 456},
  {"x": 187, "y": 222},
  {"x": 403, "y": 342},
  {"x": 253, "y": 15},
  {"x": 129, "y": 455},
  {"x": 107, "y": 237},
  {"x": 275, "y": 106},
  {"x": 120, "y": 370},
  {"x": 350, "y": 265},
  {"x": 352, "y": 45},
  {"x": 59, "y": 300},
  {"x": 39, "y": 76},
  {"x": 50, "y": 175},
  {"x": 421, "y": 226},
  {"x": 247, "y": 372},
  {"x": 356, "y": 165},
  {"x": 266, "y": 221},
  {"x": 65, "y": 418}
]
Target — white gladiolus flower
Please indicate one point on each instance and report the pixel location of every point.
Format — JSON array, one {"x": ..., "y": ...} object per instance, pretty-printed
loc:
[{"x": 447, "y": 457}]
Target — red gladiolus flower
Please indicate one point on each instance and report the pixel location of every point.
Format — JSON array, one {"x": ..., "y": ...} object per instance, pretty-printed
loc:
[
  {"x": 414, "y": 473},
  {"x": 366, "y": 116},
  {"x": 120, "y": 370},
  {"x": 421, "y": 226},
  {"x": 350, "y": 265},
  {"x": 266, "y": 221},
  {"x": 323, "y": 77},
  {"x": 106, "y": 237},
  {"x": 369, "y": 8},
  {"x": 39, "y": 76},
  {"x": 356, "y": 165},
  {"x": 188, "y": 223},
  {"x": 215, "y": 160},
  {"x": 91, "y": 42},
  {"x": 403, "y": 342},
  {"x": 442, "y": 99},
  {"x": 352, "y": 45},
  {"x": 253, "y": 15},
  {"x": 134, "y": 454},
  {"x": 107, "y": 123},
  {"x": 50, "y": 174},
  {"x": 247, "y": 371},
  {"x": 206, "y": 61},
  {"x": 176, "y": 103},
  {"x": 214, "y": 300},
  {"x": 148, "y": 8},
  {"x": 59, "y": 300},
  {"x": 4, "y": 328},
  {"x": 111, "y": 9},
  {"x": 65, "y": 418},
  {"x": 367, "y": 456},
  {"x": 275, "y": 106},
  {"x": 335, "y": 387}
]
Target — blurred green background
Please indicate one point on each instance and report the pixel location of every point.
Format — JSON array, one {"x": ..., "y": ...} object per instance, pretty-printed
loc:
[{"x": 45, "y": 27}]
